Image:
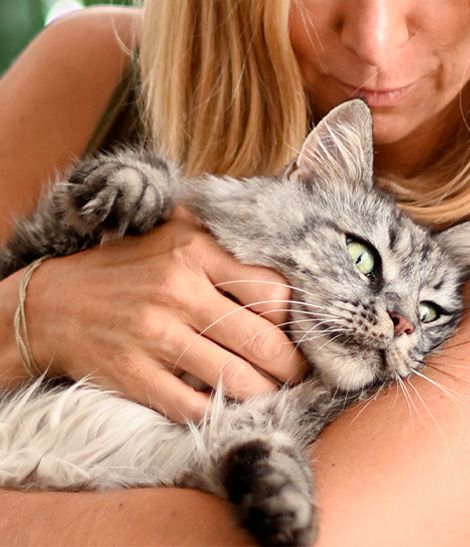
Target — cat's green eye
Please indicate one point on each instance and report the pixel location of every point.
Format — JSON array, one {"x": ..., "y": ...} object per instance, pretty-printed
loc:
[
  {"x": 427, "y": 312},
  {"x": 362, "y": 256}
]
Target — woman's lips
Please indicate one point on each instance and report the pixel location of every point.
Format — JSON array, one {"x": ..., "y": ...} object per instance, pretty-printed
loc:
[{"x": 376, "y": 97}]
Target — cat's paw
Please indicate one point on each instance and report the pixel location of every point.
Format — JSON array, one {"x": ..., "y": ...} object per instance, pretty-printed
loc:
[
  {"x": 118, "y": 194},
  {"x": 272, "y": 487}
]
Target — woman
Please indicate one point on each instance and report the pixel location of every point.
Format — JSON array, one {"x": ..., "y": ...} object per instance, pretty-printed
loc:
[{"x": 230, "y": 87}]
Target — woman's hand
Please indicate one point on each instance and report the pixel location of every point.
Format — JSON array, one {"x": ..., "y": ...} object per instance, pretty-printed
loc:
[{"x": 138, "y": 313}]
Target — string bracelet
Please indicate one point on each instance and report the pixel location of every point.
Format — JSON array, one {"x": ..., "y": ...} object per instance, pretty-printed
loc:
[{"x": 19, "y": 321}]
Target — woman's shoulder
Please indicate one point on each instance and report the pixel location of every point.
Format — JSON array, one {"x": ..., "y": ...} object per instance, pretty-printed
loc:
[
  {"x": 68, "y": 73},
  {"x": 55, "y": 93},
  {"x": 96, "y": 26},
  {"x": 94, "y": 43}
]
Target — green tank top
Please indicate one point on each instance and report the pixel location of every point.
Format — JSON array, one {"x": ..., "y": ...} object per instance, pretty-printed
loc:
[{"x": 120, "y": 123}]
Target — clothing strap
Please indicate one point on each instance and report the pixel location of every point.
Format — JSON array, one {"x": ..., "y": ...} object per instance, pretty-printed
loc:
[{"x": 120, "y": 123}]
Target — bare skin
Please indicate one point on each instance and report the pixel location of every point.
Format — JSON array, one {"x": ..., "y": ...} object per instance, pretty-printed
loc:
[{"x": 384, "y": 479}]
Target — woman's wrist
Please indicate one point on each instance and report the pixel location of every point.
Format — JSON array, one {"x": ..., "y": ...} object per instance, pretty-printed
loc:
[
  {"x": 42, "y": 293},
  {"x": 12, "y": 363},
  {"x": 11, "y": 368}
]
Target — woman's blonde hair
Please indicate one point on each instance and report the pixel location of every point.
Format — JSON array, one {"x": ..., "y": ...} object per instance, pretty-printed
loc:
[{"x": 222, "y": 93}]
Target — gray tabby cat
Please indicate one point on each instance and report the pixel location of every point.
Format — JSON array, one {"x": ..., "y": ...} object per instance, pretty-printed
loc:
[{"x": 374, "y": 293}]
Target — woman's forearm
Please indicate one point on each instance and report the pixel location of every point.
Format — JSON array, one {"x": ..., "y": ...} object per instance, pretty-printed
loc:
[{"x": 153, "y": 516}]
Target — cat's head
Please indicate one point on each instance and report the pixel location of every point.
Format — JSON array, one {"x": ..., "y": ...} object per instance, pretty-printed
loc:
[{"x": 374, "y": 291}]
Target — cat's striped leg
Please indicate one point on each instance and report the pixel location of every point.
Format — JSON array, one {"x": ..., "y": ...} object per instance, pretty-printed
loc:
[
  {"x": 270, "y": 482},
  {"x": 254, "y": 454},
  {"x": 250, "y": 457},
  {"x": 107, "y": 196}
]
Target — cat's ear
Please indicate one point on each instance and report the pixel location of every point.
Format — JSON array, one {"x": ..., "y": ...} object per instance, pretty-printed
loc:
[
  {"x": 340, "y": 147},
  {"x": 456, "y": 242}
]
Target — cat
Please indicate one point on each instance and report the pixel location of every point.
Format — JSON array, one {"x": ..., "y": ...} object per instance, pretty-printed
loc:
[{"x": 373, "y": 294}]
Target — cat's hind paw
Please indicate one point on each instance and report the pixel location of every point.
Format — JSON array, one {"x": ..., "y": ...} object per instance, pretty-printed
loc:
[{"x": 272, "y": 487}]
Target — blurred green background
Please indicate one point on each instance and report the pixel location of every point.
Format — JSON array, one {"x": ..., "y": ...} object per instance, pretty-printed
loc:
[{"x": 20, "y": 20}]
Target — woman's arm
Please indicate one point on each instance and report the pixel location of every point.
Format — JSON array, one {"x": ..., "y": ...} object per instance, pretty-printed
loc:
[
  {"x": 52, "y": 99},
  {"x": 153, "y": 516}
]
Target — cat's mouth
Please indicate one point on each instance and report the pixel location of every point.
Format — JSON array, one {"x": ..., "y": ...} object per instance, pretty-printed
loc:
[
  {"x": 354, "y": 366},
  {"x": 383, "y": 359},
  {"x": 349, "y": 363}
]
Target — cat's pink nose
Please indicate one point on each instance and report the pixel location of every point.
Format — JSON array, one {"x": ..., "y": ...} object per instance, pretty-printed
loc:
[{"x": 401, "y": 324}]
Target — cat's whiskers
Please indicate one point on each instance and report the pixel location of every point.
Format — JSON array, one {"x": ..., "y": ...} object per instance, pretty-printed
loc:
[
  {"x": 295, "y": 288},
  {"x": 346, "y": 309},
  {"x": 457, "y": 379},
  {"x": 343, "y": 331},
  {"x": 448, "y": 365},
  {"x": 411, "y": 386},
  {"x": 308, "y": 336},
  {"x": 286, "y": 285},
  {"x": 405, "y": 394},
  {"x": 451, "y": 394},
  {"x": 311, "y": 338},
  {"x": 314, "y": 314},
  {"x": 373, "y": 397},
  {"x": 225, "y": 316},
  {"x": 260, "y": 302},
  {"x": 324, "y": 325},
  {"x": 277, "y": 325},
  {"x": 307, "y": 333},
  {"x": 431, "y": 415},
  {"x": 275, "y": 283},
  {"x": 453, "y": 345},
  {"x": 329, "y": 341},
  {"x": 327, "y": 330}
]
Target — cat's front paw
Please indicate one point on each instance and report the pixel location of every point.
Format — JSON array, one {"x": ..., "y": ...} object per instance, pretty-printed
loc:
[
  {"x": 272, "y": 487},
  {"x": 118, "y": 194}
]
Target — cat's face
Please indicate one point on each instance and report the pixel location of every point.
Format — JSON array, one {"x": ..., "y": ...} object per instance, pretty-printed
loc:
[
  {"x": 373, "y": 291},
  {"x": 376, "y": 292}
]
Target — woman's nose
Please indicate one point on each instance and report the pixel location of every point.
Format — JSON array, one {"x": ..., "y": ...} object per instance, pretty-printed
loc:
[{"x": 375, "y": 30}]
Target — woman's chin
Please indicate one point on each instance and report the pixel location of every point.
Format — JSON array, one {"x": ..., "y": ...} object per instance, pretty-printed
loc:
[{"x": 389, "y": 127}]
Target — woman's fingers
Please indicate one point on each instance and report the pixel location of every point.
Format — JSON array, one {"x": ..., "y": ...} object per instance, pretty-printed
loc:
[
  {"x": 263, "y": 290},
  {"x": 177, "y": 400},
  {"x": 212, "y": 363},
  {"x": 243, "y": 332},
  {"x": 152, "y": 384},
  {"x": 249, "y": 336}
]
